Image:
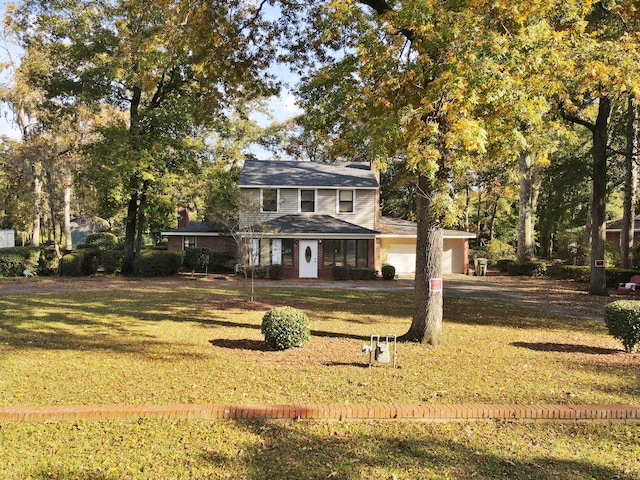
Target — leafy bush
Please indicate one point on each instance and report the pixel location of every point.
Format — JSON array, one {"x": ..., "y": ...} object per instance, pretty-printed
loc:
[
  {"x": 221, "y": 261},
  {"x": 196, "y": 258},
  {"x": 340, "y": 273},
  {"x": 495, "y": 250},
  {"x": 48, "y": 263},
  {"x": 623, "y": 321},
  {"x": 570, "y": 272},
  {"x": 504, "y": 265},
  {"x": 388, "y": 272},
  {"x": 276, "y": 272},
  {"x": 80, "y": 262},
  {"x": 112, "y": 261},
  {"x": 254, "y": 272},
  {"x": 103, "y": 241},
  {"x": 615, "y": 276},
  {"x": 362, "y": 273},
  {"x": 15, "y": 260},
  {"x": 533, "y": 269},
  {"x": 158, "y": 263},
  {"x": 285, "y": 327}
]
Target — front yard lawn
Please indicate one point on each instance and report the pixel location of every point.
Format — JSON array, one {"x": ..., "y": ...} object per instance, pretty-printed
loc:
[{"x": 180, "y": 343}]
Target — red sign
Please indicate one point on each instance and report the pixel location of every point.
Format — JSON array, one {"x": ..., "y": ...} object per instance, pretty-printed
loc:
[
  {"x": 435, "y": 285},
  {"x": 599, "y": 263}
]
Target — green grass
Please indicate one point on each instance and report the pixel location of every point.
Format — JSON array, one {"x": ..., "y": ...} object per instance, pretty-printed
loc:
[
  {"x": 191, "y": 345},
  {"x": 196, "y": 449},
  {"x": 198, "y": 344}
]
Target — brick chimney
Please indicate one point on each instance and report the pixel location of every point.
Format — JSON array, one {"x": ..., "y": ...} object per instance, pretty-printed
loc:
[{"x": 183, "y": 221}]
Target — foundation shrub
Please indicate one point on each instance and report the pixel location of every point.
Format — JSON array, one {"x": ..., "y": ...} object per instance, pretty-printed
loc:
[{"x": 388, "y": 272}]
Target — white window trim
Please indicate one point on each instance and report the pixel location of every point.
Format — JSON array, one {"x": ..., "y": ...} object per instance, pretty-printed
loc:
[
  {"x": 338, "y": 201},
  {"x": 277, "y": 200},
  {"x": 184, "y": 241},
  {"x": 315, "y": 200}
]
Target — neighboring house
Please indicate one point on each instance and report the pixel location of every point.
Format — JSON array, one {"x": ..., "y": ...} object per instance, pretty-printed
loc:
[
  {"x": 310, "y": 217},
  {"x": 197, "y": 234},
  {"x": 85, "y": 225},
  {"x": 614, "y": 231},
  {"x": 7, "y": 238}
]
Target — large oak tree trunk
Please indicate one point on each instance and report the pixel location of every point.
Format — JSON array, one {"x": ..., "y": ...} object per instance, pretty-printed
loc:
[
  {"x": 426, "y": 326},
  {"x": 130, "y": 236}
]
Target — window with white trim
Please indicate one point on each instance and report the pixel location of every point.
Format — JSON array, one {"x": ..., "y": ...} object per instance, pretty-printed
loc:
[
  {"x": 307, "y": 201},
  {"x": 269, "y": 199},
  {"x": 346, "y": 201},
  {"x": 188, "y": 242}
]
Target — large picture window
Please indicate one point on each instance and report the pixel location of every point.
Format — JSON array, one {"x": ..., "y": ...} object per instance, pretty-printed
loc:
[
  {"x": 264, "y": 252},
  {"x": 349, "y": 253},
  {"x": 269, "y": 200},
  {"x": 188, "y": 242}
]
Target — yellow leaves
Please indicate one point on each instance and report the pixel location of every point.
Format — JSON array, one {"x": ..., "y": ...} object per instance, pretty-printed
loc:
[{"x": 467, "y": 134}]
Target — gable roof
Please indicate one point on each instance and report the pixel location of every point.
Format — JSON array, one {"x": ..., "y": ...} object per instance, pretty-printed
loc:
[
  {"x": 397, "y": 227},
  {"x": 291, "y": 174},
  {"x": 315, "y": 225},
  {"x": 197, "y": 228},
  {"x": 616, "y": 225}
]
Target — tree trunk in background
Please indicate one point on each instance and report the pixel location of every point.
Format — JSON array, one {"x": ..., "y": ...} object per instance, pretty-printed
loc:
[
  {"x": 598, "y": 283},
  {"x": 37, "y": 205},
  {"x": 529, "y": 189},
  {"x": 130, "y": 236},
  {"x": 630, "y": 185},
  {"x": 426, "y": 326},
  {"x": 68, "y": 244}
]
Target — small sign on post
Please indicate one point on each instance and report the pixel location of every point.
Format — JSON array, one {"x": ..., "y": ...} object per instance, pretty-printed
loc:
[
  {"x": 599, "y": 263},
  {"x": 435, "y": 285}
]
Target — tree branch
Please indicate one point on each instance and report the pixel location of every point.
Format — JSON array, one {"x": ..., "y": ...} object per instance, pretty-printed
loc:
[{"x": 575, "y": 119}]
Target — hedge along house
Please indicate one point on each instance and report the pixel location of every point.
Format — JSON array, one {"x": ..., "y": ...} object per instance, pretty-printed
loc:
[{"x": 310, "y": 217}]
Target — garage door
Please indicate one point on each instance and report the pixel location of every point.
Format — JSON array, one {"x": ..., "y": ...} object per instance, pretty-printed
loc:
[{"x": 403, "y": 257}]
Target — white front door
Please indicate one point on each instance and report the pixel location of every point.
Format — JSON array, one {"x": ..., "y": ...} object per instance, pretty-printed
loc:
[{"x": 308, "y": 258}]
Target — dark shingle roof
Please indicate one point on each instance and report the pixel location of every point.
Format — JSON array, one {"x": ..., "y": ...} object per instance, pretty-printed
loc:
[
  {"x": 311, "y": 224},
  {"x": 398, "y": 226},
  {"x": 273, "y": 173},
  {"x": 198, "y": 227},
  {"x": 616, "y": 225}
]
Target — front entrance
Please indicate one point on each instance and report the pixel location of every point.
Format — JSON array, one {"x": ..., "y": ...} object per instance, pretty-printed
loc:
[{"x": 308, "y": 259}]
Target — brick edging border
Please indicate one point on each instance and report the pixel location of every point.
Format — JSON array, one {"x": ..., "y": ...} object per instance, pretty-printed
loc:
[{"x": 337, "y": 412}]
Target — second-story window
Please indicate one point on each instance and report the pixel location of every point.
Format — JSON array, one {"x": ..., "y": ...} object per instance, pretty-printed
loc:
[
  {"x": 346, "y": 201},
  {"x": 269, "y": 200},
  {"x": 308, "y": 201}
]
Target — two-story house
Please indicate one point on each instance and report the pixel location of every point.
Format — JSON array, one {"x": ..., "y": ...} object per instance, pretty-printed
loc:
[{"x": 310, "y": 217}]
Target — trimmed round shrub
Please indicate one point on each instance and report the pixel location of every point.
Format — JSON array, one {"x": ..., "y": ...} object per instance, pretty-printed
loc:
[
  {"x": 158, "y": 263},
  {"x": 623, "y": 321},
  {"x": 196, "y": 258},
  {"x": 80, "y": 262},
  {"x": 103, "y": 240},
  {"x": 285, "y": 327},
  {"x": 388, "y": 272},
  {"x": 532, "y": 269},
  {"x": 112, "y": 261}
]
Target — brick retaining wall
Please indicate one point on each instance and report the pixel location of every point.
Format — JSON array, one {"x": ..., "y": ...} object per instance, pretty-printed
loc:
[{"x": 426, "y": 413}]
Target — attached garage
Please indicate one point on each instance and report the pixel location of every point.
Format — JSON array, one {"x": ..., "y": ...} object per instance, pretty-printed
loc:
[{"x": 398, "y": 247}]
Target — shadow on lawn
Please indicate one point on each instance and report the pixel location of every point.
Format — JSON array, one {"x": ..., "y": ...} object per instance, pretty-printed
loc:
[
  {"x": 297, "y": 452},
  {"x": 565, "y": 348}
]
